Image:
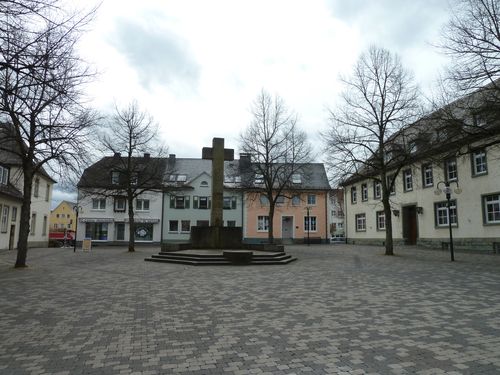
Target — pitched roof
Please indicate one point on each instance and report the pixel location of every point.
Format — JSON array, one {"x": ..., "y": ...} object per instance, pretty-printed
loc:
[
  {"x": 10, "y": 191},
  {"x": 98, "y": 175}
]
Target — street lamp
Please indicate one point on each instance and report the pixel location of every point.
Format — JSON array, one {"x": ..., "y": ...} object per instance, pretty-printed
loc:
[
  {"x": 308, "y": 224},
  {"x": 447, "y": 190},
  {"x": 77, "y": 210}
]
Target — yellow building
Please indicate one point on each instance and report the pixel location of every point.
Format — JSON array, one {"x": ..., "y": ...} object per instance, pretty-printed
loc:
[{"x": 63, "y": 217}]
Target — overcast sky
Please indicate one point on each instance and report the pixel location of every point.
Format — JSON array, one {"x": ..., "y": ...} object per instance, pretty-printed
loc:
[{"x": 197, "y": 65}]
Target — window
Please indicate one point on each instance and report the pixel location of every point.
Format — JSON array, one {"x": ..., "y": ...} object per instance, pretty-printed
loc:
[
  {"x": 36, "y": 188},
  {"x": 311, "y": 199},
  {"x": 134, "y": 179},
  {"x": 4, "y": 175},
  {"x": 296, "y": 200},
  {"x": 408, "y": 180},
  {"x": 144, "y": 232},
  {"x": 280, "y": 200},
  {"x": 441, "y": 213},
  {"x": 115, "y": 178},
  {"x": 296, "y": 178},
  {"x": 185, "y": 226},
  {"x": 33, "y": 224},
  {"x": 97, "y": 231},
  {"x": 427, "y": 178},
  {"x": 491, "y": 206},
  {"x": 360, "y": 222},
  {"x": 204, "y": 184},
  {"x": 391, "y": 184},
  {"x": 181, "y": 178},
  {"x": 202, "y": 203},
  {"x": 364, "y": 192},
  {"x": 47, "y": 193},
  {"x": 478, "y": 160},
  {"x": 451, "y": 170},
  {"x": 377, "y": 190},
  {"x": 120, "y": 204},
  {"x": 44, "y": 226},
  {"x": 229, "y": 203},
  {"x": 264, "y": 201},
  {"x": 380, "y": 220},
  {"x": 231, "y": 223},
  {"x": 5, "y": 218},
  {"x": 14, "y": 213},
  {"x": 262, "y": 223},
  {"x": 310, "y": 223},
  {"x": 259, "y": 179},
  {"x": 57, "y": 216},
  {"x": 173, "y": 226},
  {"x": 179, "y": 201},
  {"x": 142, "y": 204},
  {"x": 68, "y": 226},
  {"x": 120, "y": 231},
  {"x": 98, "y": 203},
  {"x": 354, "y": 195}
]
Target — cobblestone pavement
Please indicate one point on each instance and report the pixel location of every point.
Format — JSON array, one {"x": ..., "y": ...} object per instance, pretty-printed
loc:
[{"x": 338, "y": 310}]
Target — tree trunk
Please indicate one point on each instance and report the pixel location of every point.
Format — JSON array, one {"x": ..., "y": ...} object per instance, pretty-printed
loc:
[
  {"x": 389, "y": 246},
  {"x": 270, "y": 233},
  {"x": 24, "y": 223},
  {"x": 131, "y": 227}
]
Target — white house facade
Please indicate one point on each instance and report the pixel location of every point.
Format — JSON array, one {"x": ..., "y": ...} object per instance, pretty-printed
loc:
[{"x": 187, "y": 198}]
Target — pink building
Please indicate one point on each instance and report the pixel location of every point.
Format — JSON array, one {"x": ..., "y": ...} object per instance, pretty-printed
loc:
[{"x": 301, "y": 212}]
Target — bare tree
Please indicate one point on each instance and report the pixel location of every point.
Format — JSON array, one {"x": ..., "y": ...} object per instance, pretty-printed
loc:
[
  {"x": 41, "y": 85},
  {"x": 469, "y": 99},
  {"x": 472, "y": 39},
  {"x": 132, "y": 136},
  {"x": 278, "y": 149},
  {"x": 366, "y": 138}
]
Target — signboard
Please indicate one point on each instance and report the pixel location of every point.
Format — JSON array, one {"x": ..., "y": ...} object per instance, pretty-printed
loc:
[{"x": 87, "y": 244}]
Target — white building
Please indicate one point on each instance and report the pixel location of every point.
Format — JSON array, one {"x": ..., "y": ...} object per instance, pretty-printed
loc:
[
  {"x": 187, "y": 198},
  {"x": 336, "y": 215},
  {"x": 11, "y": 196},
  {"x": 470, "y": 165},
  {"x": 103, "y": 213}
]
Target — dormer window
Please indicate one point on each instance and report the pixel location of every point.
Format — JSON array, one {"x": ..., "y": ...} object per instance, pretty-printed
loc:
[
  {"x": 259, "y": 178},
  {"x": 172, "y": 178},
  {"x": 204, "y": 184},
  {"x": 134, "y": 179},
  {"x": 181, "y": 178},
  {"x": 296, "y": 179},
  {"x": 4, "y": 175},
  {"x": 115, "y": 178}
]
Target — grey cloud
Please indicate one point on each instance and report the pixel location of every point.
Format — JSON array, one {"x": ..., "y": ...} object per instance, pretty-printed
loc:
[
  {"x": 393, "y": 22},
  {"x": 158, "y": 55}
]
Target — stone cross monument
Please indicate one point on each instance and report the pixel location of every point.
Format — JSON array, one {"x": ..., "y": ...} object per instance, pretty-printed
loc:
[{"x": 218, "y": 154}]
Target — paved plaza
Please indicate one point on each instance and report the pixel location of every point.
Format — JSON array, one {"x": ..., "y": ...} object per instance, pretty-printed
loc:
[{"x": 339, "y": 309}]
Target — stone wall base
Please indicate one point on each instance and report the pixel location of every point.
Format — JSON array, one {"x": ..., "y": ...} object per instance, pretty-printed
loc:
[{"x": 488, "y": 245}]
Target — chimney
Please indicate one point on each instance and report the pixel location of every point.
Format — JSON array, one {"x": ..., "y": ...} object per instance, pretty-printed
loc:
[
  {"x": 171, "y": 160},
  {"x": 147, "y": 155},
  {"x": 244, "y": 162}
]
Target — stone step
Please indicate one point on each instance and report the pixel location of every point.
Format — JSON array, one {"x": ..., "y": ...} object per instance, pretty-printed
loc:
[{"x": 215, "y": 259}]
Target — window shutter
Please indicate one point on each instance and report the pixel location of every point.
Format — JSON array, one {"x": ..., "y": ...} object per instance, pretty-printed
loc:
[
  {"x": 209, "y": 203},
  {"x": 172, "y": 201},
  {"x": 186, "y": 201},
  {"x": 195, "y": 201},
  {"x": 233, "y": 203}
]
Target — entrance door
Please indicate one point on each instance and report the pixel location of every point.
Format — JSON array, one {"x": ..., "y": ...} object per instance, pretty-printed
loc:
[
  {"x": 11, "y": 236},
  {"x": 410, "y": 232},
  {"x": 287, "y": 228}
]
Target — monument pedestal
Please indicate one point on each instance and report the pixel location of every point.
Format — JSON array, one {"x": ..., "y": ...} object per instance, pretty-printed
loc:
[{"x": 216, "y": 237}]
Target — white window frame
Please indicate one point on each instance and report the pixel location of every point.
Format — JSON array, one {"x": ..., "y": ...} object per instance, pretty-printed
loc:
[
  {"x": 98, "y": 204},
  {"x": 170, "y": 222},
  {"x": 120, "y": 204},
  {"x": 296, "y": 200},
  {"x": 5, "y": 218},
  {"x": 380, "y": 217},
  {"x": 140, "y": 205},
  {"x": 451, "y": 170},
  {"x": 311, "y": 199},
  {"x": 36, "y": 187},
  {"x": 427, "y": 175},
  {"x": 360, "y": 221},
  {"x": 364, "y": 192},
  {"x": 377, "y": 190},
  {"x": 262, "y": 223},
  {"x": 479, "y": 162},
  {"x": 4, "y": 175},
  {"x": 408, "y": 180},
  {"x": 188, "y": 224},
  {"x": 441, "y": 213},
  {"x": 115, "y": 177},
  {"x": 33, "y": 224},
  {"x": 310, "y": 222},
  {"x": 491, "y": 204}
]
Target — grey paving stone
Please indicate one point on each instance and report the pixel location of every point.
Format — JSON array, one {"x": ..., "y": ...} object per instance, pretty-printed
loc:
[{"x": 337, "y": 310}]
